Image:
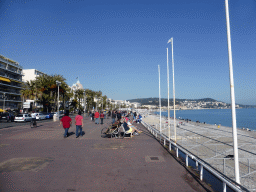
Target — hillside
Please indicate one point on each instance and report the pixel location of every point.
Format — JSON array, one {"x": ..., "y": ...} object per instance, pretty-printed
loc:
[{"x": 164, "y": 101}]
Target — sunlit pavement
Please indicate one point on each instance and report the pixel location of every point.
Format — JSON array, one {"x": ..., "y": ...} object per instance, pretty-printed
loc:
[{"x": 41, "y": 159}]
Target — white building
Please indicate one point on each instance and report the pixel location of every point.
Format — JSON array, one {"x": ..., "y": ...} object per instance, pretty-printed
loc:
[
  {"x": 76, "y": 86},
  {"x": 31, "y": 74}
]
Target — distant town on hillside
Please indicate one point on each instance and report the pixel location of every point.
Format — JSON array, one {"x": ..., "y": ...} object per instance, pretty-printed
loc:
[{"x": 187, "y": 103}]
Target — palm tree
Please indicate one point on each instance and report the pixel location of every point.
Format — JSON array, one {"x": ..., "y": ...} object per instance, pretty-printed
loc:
[
  {"x": 49, "y": 89},
  {"x": 79, "y": 94},
  {"x": 25, "y": 92}
]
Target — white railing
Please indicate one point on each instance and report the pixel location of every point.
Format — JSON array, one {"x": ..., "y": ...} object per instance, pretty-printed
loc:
[{"x": 203, "y": 166}]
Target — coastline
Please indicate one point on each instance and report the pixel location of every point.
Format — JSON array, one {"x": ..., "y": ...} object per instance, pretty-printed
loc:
[
  {"x": 246, "y": 118},
  {"x": 212, "y": 144}
]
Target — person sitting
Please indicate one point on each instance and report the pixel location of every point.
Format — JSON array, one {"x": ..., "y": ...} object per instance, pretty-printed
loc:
[
  {"x": 133, "y": 127},
  {"x": 116, "y": 124},
  {"x": 139, "y": 118},
  {"x": 127, "y": 128},
  {"x": 130, "y": 128}
]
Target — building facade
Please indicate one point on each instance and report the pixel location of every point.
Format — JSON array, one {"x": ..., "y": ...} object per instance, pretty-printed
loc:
[
  {"x": 76, "y": 86},
  {"x": 31, "y": 74},
  {"x": 10, "y": 84}
]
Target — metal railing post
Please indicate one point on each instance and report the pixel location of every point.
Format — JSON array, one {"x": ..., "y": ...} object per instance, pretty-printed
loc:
[
  {"x": 224, "y": 187},
  {"x": 187, "y": 160},
  {"x": 201, "y": 172}
]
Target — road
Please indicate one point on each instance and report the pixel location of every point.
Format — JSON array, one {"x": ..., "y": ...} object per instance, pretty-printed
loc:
[{"x": 4, "y": 124}]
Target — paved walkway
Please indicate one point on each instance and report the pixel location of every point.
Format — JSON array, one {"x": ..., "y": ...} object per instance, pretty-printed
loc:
[{"x": 41, "y": 159}]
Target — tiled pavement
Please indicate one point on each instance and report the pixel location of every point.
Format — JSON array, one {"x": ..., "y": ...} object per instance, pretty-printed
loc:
[{"x": 41, "y": 159}]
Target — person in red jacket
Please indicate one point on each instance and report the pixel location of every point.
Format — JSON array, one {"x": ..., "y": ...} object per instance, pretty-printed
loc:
[
  {"x": 66, "y": 121},
  {"x": 101, "y": 117},
  {"x": 79, "y": 124},
  {"x": 96, "y": 116}
]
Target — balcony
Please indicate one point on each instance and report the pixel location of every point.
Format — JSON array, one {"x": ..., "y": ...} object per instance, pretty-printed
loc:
[
  {"x": 9, "y": 92},
  {"x": 14, "y": 64},
  {"x": 11, "y": 70},
  {"x": 11, "y": 85},
  {"x": 11, "y": 78},
  {"x": 13, "y": 101}
]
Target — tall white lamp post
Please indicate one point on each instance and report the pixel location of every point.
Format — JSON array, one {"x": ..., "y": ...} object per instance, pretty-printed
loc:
[
  {"x": 160, "y": 101},
  {"x": 174, "y": 115},
  {"x": 232, "y": 94},
  {"x": 58, "y": 84},
  {"x": 168, "y": 86}
]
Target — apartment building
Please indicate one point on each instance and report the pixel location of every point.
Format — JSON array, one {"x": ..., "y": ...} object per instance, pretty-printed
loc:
[
  {"x": 31, "y": 74},
  {"x": 10, "y": 84}
]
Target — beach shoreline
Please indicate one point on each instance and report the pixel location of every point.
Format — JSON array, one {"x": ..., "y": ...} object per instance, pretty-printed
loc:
[{"x": 212, "y": 144}]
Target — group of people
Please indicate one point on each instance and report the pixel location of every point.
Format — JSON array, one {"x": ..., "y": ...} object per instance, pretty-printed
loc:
[
  {"x": 119, "y": 118},
  {"x": 66, "y": 121},
  {"x": 95, "y": 115},
  {"x": 126, "y": 120}
]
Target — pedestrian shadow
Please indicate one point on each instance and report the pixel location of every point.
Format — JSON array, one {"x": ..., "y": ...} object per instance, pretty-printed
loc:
[{"x": 71, "y": 133}]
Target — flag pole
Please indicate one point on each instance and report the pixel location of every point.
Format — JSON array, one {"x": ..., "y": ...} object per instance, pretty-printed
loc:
[
  {"x": 160, "y": 101},
  {"x": 169, "y": 131},
  {"x": 232, "y": 94},
  {"x": 174, "y": 114}
]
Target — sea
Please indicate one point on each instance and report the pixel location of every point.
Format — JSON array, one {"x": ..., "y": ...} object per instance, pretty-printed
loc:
[{"x": 245, "y": 117}]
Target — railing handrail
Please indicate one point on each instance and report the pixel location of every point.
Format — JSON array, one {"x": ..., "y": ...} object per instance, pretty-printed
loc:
[{"x": 232, "y": 184}]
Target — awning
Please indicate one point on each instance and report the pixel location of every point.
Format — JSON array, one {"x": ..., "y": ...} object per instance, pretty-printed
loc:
[
  {"x": 1, "y": 110},
  {"x": 16, "y": 81},
  {"x": 4, "y": 79}
]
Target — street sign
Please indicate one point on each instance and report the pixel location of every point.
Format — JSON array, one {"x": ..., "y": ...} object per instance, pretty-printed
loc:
[{"x": 26, "y": 105}]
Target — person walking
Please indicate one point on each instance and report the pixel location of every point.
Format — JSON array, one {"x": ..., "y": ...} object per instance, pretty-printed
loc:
[
  {"x": 102, "y": 117},
  {"x": 79, "y": 124},
  {"x": 66, "y": 121},
  {"x": 109, "y": 113},
  {"x": 93, "y": 116},
  {"x": 119, "y": 116},
  {"x": 135, "y": 115},
  {"x": 113, "y": 117},
  {"x": 96, "y": 115}
]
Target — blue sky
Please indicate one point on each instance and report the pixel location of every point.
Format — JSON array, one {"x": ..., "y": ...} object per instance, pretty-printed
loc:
[{"x": 116, "y": 46}]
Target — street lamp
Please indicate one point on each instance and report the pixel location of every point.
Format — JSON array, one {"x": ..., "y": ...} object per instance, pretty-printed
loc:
[
  {"x": 58, "y": 84},
  {"x": 174, "y": 115},
  {"x": 84, "y": 102},
  {"x": 4, "y": 102},
  {"x": 232, "y": 94},
  {"x": 96, "y": 102}
]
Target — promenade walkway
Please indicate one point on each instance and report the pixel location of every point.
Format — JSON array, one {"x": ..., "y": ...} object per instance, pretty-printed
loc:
[{"x": 41, "y": 159}]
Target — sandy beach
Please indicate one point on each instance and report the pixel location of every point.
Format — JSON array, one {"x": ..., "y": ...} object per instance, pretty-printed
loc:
[{"x": 214, "y": 145}]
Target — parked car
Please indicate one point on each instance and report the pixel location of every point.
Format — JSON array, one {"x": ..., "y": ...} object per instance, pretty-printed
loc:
[
  {"x": 49, "y": 116},
  {"x": 8, "y": 116},
  {"x": 61, "y": 114},
  {"x": 39, "y": 116},
  {"x": 23, "y": 118}
]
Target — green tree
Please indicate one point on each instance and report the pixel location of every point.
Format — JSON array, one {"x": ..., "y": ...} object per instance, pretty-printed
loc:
[{"x": 79, "y": 94}]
